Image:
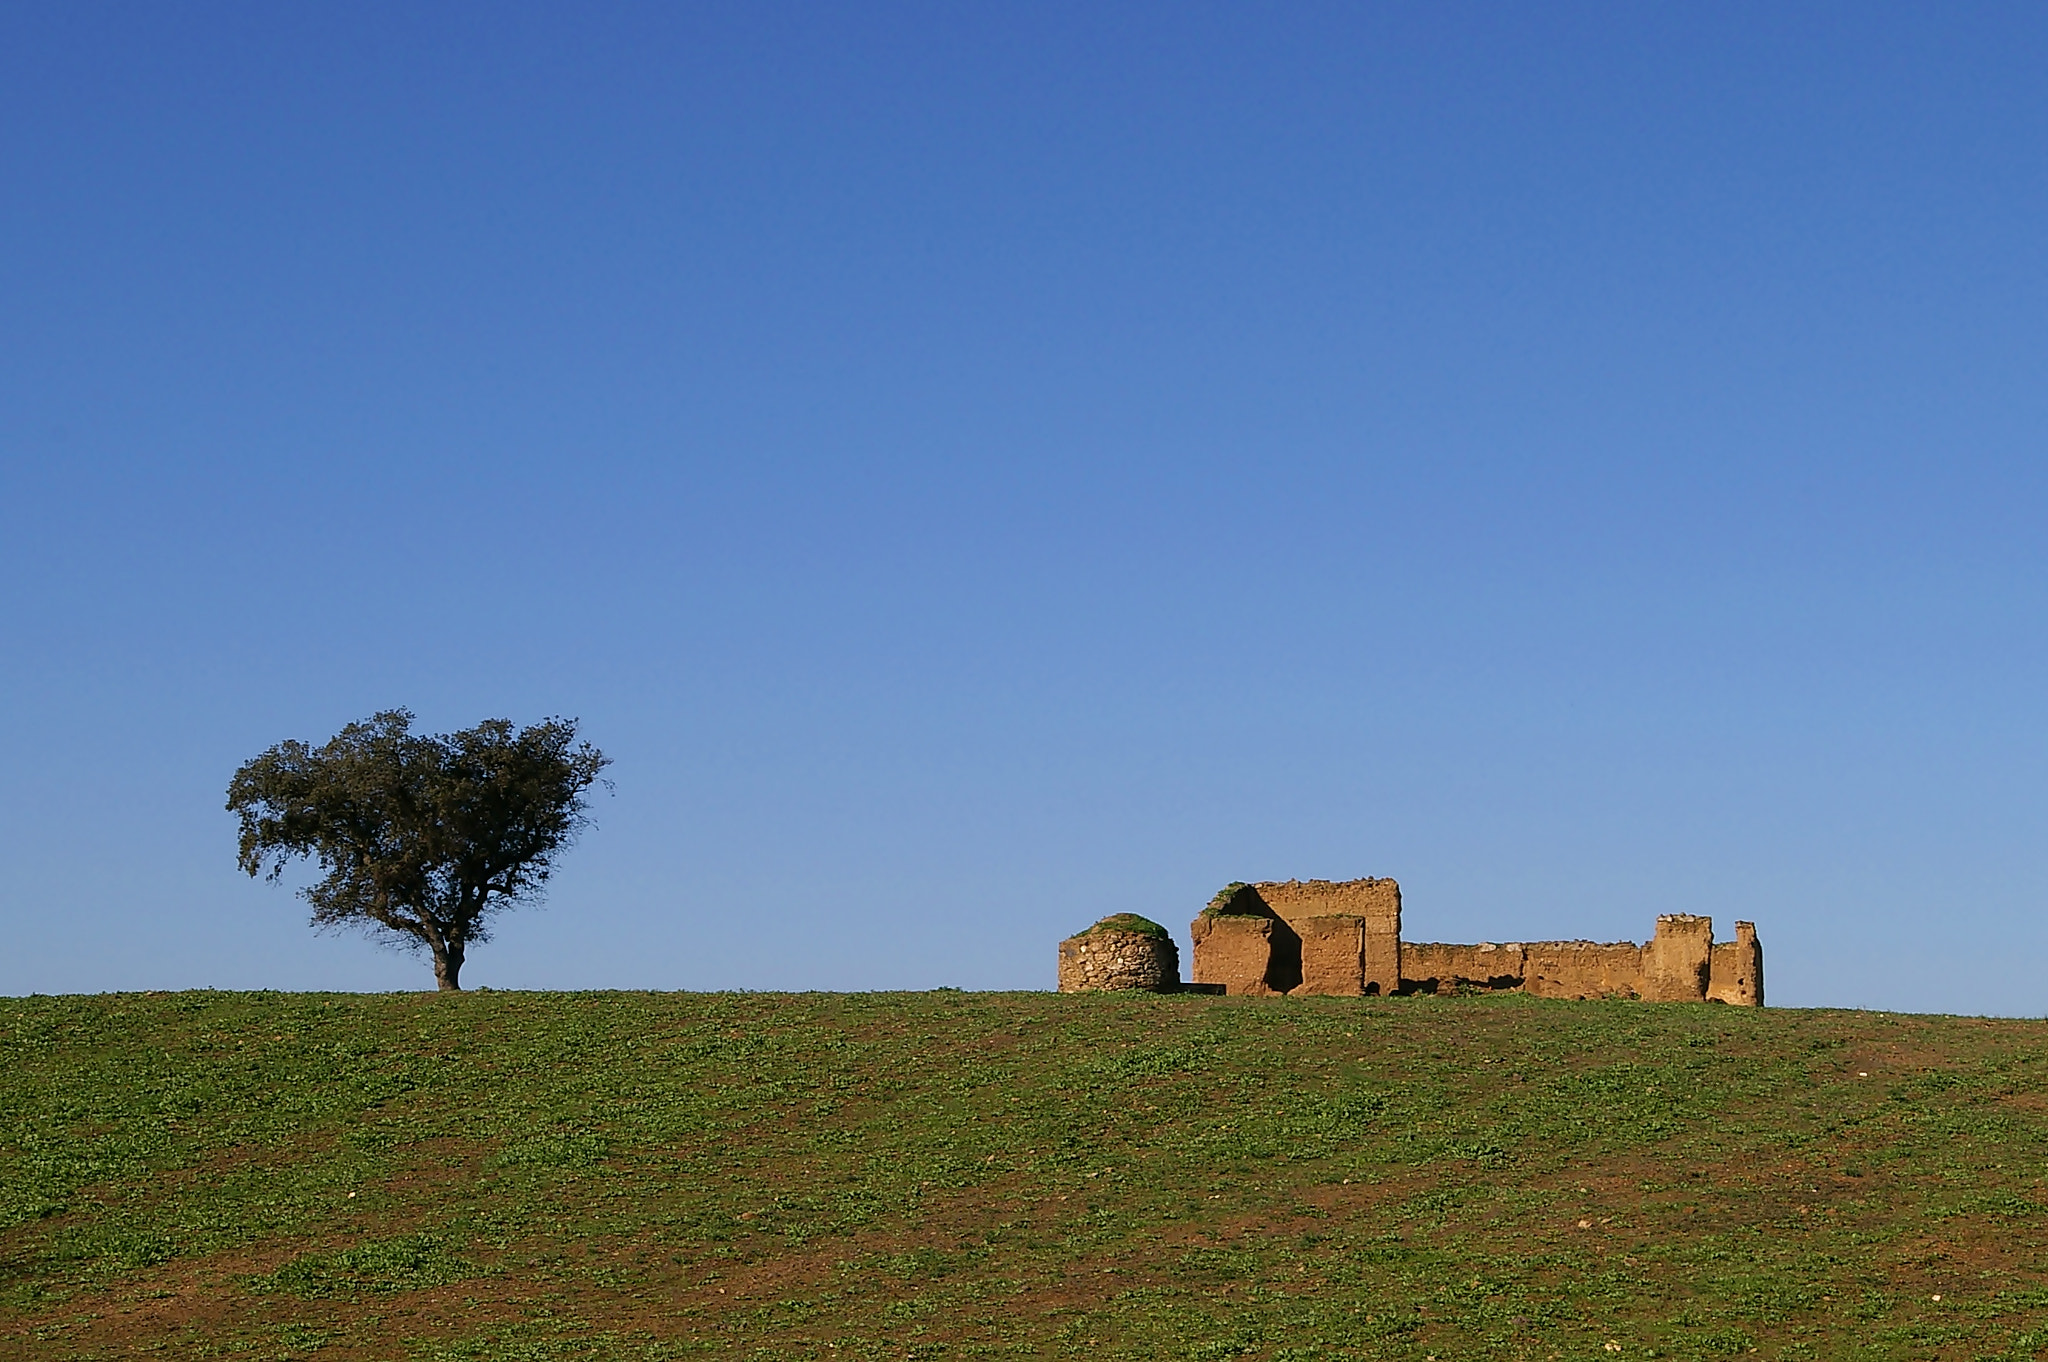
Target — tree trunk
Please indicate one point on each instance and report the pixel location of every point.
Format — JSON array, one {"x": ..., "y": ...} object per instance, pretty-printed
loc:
[{"x": 448, "y": 967}]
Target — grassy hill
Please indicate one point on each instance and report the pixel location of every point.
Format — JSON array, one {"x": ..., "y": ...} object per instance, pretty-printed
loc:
[{"x": 948, "y": 1175}]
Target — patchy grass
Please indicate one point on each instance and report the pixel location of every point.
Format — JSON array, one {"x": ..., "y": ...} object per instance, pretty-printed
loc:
[{"x": 948, "y": 1175}]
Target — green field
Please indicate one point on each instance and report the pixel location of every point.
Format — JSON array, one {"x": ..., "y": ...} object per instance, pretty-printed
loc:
[{"x": 952, "y": 1175}]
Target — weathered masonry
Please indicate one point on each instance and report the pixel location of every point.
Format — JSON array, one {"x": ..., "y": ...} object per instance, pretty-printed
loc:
[
  {"x": 1120, "y": 953},
  {"x": 1344, "y": 938}
]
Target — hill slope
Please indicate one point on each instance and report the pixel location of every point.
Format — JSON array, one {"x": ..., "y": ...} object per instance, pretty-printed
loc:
[{"x": 1013, "y": 1175}]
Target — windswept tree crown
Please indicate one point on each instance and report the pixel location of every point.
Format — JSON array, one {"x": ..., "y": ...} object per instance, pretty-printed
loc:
[{"x": 427, "y": 836}]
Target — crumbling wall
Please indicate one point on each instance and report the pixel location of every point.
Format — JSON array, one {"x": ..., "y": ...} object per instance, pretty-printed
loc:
[
  {"x": 1332, "y": 955},
  {"x": 1735, "y": 972},
  {"x": 1433, "y": 967},
  {"x": 1344, "y": 938},
  {"x": 1676, "y": 960},
  {"x": 1376, "y": 906},
  {"x": 1583, "y": 969},
  {"x": 1243, "y": 946}
]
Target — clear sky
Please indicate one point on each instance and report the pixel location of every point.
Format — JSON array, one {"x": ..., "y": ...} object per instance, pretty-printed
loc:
[{"x": 979, "y": 468}]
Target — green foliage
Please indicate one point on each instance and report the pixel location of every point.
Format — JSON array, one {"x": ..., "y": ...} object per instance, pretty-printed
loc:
[
  {"x": 1014, "y": 1176},
  {"x": 1128, "y": 922},
  {"x": 408, "y": 1263},
  {"x": 556, "y": 1151},
  {"x": 1233, "y": 899},
  {"x": 426, "y": 837}
]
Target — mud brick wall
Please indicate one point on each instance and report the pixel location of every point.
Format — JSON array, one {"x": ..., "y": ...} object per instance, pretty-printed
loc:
[
  {"x": 1344, "y": 938},
  {"x": 1376, "y": 903},
  {"x": 1235, "y": 951},
  {"x": 1332, "y": 955},
  {"x": 1676, "y": 960},
  {"x": 1735, "y": 972},
  {"x": 1583, "y": 969},
  {"x": 1433, "y": 967}
]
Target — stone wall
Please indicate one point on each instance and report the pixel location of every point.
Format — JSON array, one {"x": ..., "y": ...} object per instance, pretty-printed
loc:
[{"x": 1121, "y": 952}]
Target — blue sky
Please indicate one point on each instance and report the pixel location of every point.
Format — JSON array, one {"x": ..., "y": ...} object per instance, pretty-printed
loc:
[{"x": 980, "y": 469}]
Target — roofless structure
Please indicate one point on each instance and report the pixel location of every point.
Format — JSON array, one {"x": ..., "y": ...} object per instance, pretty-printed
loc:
[{"x": 1343, "y": 939}]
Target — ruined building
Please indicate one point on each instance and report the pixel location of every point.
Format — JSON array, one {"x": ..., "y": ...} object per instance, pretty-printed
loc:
[
  {"x": 1344, "y": 939},
  {"x": 1123, "y": 951},
  {"x": 1316, "y": 936}
]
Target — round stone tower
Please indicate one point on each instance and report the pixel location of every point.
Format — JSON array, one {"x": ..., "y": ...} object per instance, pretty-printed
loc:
[{"x": 1123, "y": 951}]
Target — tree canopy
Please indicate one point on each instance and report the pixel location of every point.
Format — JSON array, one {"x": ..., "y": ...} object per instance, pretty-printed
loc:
[{"x": 425, "y": 836}]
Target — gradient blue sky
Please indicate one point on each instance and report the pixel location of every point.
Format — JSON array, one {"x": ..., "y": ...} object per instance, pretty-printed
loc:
[{"x": 977, "y": 469}]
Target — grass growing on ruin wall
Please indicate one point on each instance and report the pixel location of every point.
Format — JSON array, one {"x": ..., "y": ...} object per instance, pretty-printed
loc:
[
  {"x": 1128, "y": 922},
  {"x": 1226, "y": 903},
  {"x": 544, "y": 1176}
]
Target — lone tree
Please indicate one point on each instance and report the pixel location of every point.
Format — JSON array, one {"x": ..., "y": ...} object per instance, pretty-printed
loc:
[{"x": 426, "y": 837}]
